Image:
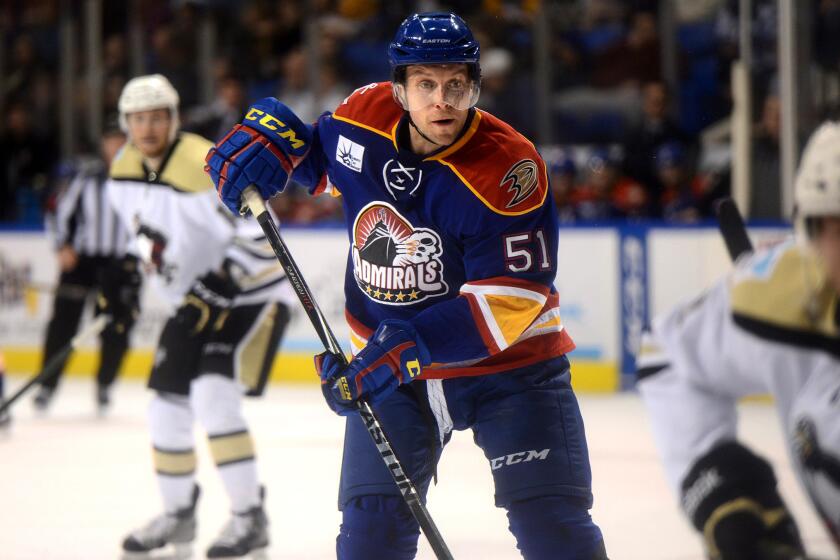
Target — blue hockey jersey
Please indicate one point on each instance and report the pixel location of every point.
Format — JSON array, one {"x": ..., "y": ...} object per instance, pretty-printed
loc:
[{"x": 461, "y": 242}]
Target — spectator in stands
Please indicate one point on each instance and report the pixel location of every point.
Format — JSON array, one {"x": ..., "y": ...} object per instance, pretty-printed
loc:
[
  {"x": 679, "y": 200},
  {"x": 826, "y": 37},
  {"x": 21, "y": 68},
  {"x": 215, "y": 119},
  {"x": 766, "y": 191},
  {"x": 114, "y": 57},
  {"x": 296, "y": 93},
  {"x": 173, "y": 55},
  {"x": 602, "y": 13},
  {"x": 115, "y": 69},
  {"x": 764, "y": 38},
  {"x": 41, "y": 104},
  {"x": 26, "y": 163},
  {"x": 563, "y": 178},
  {"x": 655, "y": 128},
  {"x": 496, "y": 65},
  {"x": 607, "y": 194},
  {"x": 631, "y": 61}
]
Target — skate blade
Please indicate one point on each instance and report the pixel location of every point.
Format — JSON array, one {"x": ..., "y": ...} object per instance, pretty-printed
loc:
[
  {"x": 256, "y": 554},
  {"x": 172, "y": 551},
  {"x": 260, "y": 554}
]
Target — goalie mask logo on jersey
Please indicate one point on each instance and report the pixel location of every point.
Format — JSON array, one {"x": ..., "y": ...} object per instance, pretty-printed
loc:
[{"x": 395, "y": 263}]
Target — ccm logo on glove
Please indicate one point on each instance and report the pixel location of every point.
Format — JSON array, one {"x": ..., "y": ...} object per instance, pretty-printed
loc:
[{"x": 269, "y": 121}]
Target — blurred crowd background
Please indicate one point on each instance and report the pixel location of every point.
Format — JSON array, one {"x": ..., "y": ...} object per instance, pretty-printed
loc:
[{"x": 629, "y": 101}]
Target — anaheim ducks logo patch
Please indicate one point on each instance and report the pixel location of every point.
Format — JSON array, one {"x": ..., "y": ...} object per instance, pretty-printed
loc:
[
  {"x": 521, "y": 180},
  {"x": 395, "y": 263}
]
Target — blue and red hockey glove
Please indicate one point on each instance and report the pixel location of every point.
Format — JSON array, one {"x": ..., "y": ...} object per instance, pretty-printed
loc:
[
  {"x": 394, "y": 355},
  {"x": 263, "y": 150}
]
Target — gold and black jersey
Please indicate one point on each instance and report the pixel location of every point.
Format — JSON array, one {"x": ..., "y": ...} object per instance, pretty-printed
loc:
[
  {"x": 182, "y": 167},
  {"x": 783, "y": 295}
]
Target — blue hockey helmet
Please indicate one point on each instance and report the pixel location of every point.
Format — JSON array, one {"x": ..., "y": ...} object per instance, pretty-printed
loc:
[{"x": 435, "y": 38}]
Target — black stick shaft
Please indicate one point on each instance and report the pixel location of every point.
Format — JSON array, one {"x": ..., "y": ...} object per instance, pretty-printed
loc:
[
  {"x": 52, "y": 367},
  {"x": 319, "y": 322},
  {"x": 732, "y": 229}
]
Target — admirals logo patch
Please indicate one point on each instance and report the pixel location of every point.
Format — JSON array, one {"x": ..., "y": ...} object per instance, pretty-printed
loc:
[
  {"x": 395, "y": 263},
  {"x": 522, "y": 180},
  {"x": 349, "y": 154}
]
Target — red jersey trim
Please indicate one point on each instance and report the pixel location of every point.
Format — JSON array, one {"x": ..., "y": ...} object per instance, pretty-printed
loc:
[
  {"x": 530, "y": 351},
  {"x": 514, "y": 283},
  {"x": 357, "y": 326},
  {"x": 524, "y": 353},
  {"x": 492, "y": 163},
  {"x": 373, "y": 108},
  {"x": 480, "y": 322}
]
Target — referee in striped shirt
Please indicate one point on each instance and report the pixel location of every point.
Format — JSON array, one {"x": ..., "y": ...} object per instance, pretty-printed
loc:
[{"x": 91, "y": 250}]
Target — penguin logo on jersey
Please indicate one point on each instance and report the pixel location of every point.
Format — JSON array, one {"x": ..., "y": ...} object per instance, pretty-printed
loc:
[
  {"x": 395, "y": 263},
  {"x": 522, "y": 180}
]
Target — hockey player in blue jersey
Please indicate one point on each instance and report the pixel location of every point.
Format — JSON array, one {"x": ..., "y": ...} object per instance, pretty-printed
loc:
[{"x": 454, "y": 318}]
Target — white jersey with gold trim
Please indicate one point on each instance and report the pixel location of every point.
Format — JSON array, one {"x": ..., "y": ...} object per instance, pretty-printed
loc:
[
  {"x": 180, "y": 229},
  {"x": 772, "y": 326}
]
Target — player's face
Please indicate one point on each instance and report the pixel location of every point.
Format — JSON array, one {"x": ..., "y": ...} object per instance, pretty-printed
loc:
[
  {"x": 433, "y": 92},
  {"x": 149, "y": 131},
  {"x": 827, "y": 243}
]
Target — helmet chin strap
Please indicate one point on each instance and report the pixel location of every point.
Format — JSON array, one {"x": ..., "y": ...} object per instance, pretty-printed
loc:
[{"x": 420, "y": 132}]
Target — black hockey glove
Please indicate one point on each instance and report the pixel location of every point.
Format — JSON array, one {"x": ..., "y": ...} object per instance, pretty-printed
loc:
[
  {"x": 119, "y": 294},
  {"x": 731, "y": 498},
  {"x": 206, "y": 305}
]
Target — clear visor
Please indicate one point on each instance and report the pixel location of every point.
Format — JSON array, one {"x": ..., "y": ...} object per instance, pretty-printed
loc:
[{"x": 419, "y": 94}]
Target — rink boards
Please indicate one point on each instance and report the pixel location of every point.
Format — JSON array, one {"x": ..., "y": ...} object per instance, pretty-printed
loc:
[{"x": 611, "y": 279}]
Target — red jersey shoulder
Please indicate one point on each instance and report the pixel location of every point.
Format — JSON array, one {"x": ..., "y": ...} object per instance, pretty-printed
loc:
[
  {"x": 500, "y": 166},
  {"x": 372, "y": 107}
]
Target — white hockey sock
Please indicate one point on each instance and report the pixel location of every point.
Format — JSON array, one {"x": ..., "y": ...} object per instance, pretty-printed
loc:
[
  {"x": 242, "y": 485},
  {"x": 217, "y": 402},
  {"x": 177, "y": 491},
  {"x": 171, "y": 428}
]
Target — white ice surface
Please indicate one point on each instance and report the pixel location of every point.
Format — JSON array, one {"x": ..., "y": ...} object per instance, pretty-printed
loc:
[{"x": 72, "y": 485}]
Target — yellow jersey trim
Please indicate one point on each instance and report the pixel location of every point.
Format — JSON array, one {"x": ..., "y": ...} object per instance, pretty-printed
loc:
[
  {"x": 793, "y": 293},
  {"x": 463, "y": 140},
  {"x": 183, "y": 170},
  {"x": 366, "y": 127}
]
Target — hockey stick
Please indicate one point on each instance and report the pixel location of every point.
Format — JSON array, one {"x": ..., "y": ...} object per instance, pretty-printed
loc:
[
  {"x": 52, "y": 367},
  {"x": 409, "y": 493},
  {"x": 732, "y": 228}
]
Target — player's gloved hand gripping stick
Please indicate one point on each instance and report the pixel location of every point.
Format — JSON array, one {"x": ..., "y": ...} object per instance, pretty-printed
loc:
[{"x": 255, "y": 203}]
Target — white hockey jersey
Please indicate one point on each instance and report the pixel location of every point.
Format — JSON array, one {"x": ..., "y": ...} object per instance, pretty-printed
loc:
[
  {"x": 180, "y": 229},
  {"x": 772, "y": 326}
]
